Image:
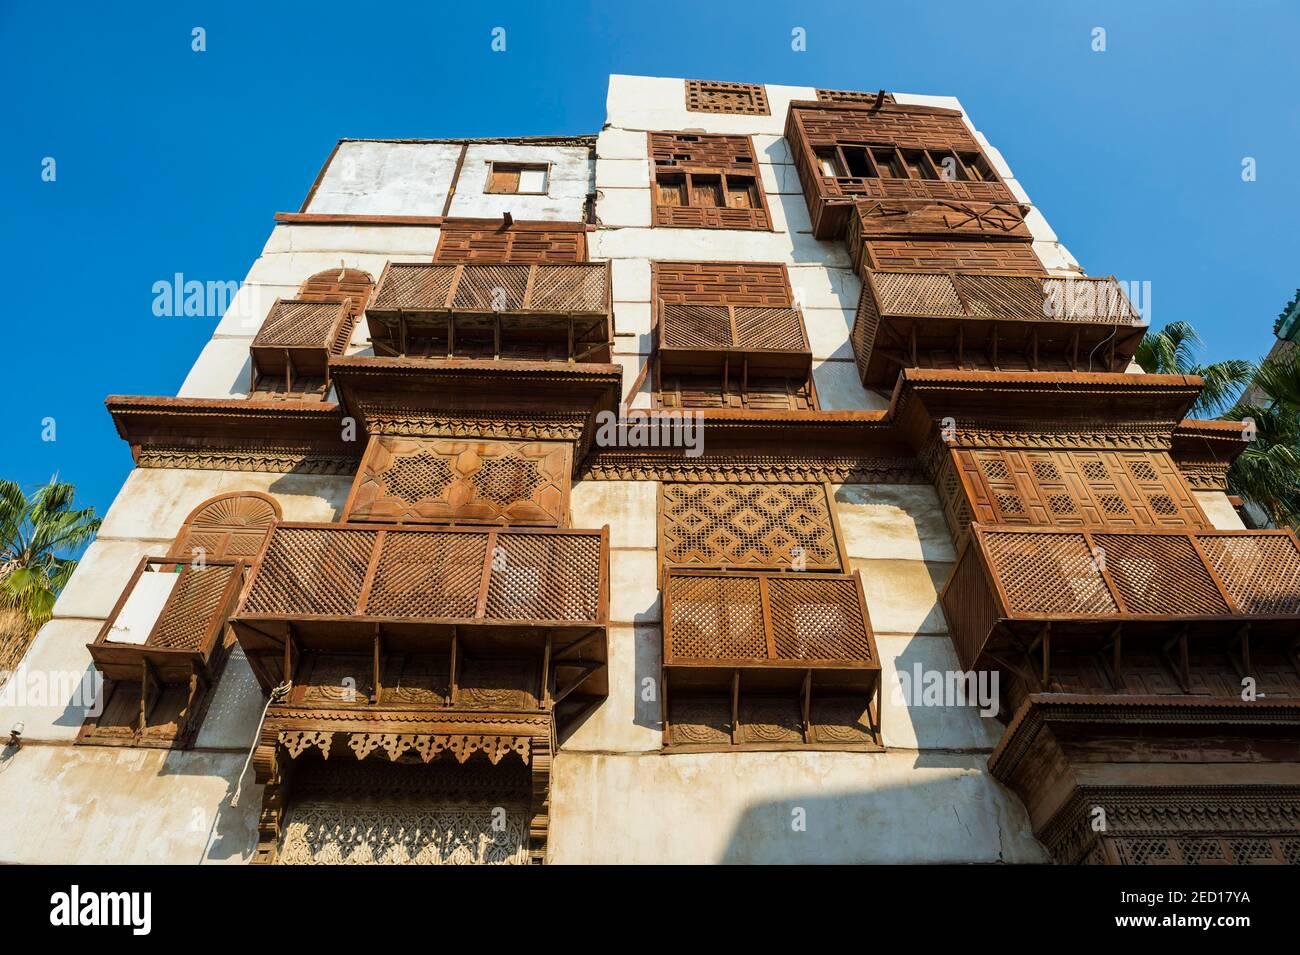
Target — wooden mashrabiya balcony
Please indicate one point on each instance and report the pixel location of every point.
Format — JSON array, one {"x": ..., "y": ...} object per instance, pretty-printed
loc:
[
  {"x": 962, "y": 320},
  {"x": 298, "y": 339},
  {"x": 1079, "y": 589},
  {"x": 544, "y": 311},
  {"x": 167, "y": 626},
  {"x": 440, "y": 591}
]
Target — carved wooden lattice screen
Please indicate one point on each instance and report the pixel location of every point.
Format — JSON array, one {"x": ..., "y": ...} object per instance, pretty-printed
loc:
[
  {"x": 754, "y": 526},
  {"x": 434, "y": 480},
  {"x": 704, "y": 181},
  {"x": 1136, "y": 489},
  {"x": 376, "y": 813},
  {"x": 336, "y": 285},
  {"x": 709, "y": 96}
]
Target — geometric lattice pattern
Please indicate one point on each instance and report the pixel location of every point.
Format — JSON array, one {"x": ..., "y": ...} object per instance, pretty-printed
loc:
[
  {"x": 1005, "y": 297},
  {"x": 428, "y": 574},
  {"x": 435, "y": 480},
  {"x": 754, "y": 617},
  {"x": 741, "y": 328},
  {"x": 747, "y": 525},
  {"x": 192, "y": 608},
  {"x": 1049, "y": 573},
  {"x": 1201, "y": 850},
  {"x": 817, "y": 618},
  {"x": 708, "y": 96},
  {"x": 579, "y": 287},
  {"x": 375, "y": 832},
  {"x": 294, "y": 323}
]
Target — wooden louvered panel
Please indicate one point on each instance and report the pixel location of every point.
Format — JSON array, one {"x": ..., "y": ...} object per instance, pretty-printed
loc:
[
  {"x": 711, "y": 96},
  {"x": 722, "y": 283},
  {"x": 951, "y": 255},
  {"x": 501, "y": 243}
]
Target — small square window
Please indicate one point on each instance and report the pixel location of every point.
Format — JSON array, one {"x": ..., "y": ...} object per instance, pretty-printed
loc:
[{"x": 521, "y": 179}]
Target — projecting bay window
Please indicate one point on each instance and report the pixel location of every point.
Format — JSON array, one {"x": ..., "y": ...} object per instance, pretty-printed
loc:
[
  {"x": 729, "y": 336},
  {"x": 767, "y": 642},
  {"x": 703, "y": 181}
]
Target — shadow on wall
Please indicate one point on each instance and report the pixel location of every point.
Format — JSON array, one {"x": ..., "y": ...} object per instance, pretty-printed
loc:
[{"x": 967, "y": 819}]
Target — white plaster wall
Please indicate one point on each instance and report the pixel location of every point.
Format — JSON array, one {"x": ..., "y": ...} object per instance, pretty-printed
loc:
[
  {"x": 566, "y": 191},
  {"x": 740, "y": 808},
  {"x": 96, "y": 805},
  {"x": 1219, "y": 510},
  {"x": 391, "y": 179}
]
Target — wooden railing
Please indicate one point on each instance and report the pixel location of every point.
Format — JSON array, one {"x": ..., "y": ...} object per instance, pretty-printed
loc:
[
  {"x": 360, "y": 574},
  {"x": 169, "y": 619},
  {"x": 1101, "y": 578},
  {"x": 745, "y": 619}
]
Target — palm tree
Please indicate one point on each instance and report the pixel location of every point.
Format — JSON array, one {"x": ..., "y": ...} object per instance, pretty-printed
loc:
[
  {"x": 37, "y": 533},
  {"x": 1267, "y": 473},
  {"x": 1172, "y": 351}
]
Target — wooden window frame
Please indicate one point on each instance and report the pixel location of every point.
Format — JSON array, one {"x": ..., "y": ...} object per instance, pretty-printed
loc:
[
  {"x": 492, "y": 165},
  {"x": 688, "y": 169}
]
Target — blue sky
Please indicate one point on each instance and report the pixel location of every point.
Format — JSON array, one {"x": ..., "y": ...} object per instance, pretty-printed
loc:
[{"x": 174, "y": 161}]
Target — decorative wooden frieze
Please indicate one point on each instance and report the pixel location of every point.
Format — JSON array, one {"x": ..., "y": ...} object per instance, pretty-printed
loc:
[
  {"x": 627, "y": 465},
  {"x": 706, "y": 181},
  {"x": 709, "y": 96},
  {"x": 274, "y": 460},
  {"x": 413, "y": 480}
]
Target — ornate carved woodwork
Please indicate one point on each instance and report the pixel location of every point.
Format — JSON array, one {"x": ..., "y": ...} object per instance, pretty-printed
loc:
[
  {"x": 1205, "y": 450},
  {"x": 847, "y": 151},
  {"x": 374, "y": 784},
  {"x": 1115, "y": 489},
  {"x": 426, "y": 480},
  {"x": 228, "y": 526},
  {"x": 710, "y": 96},
  {"x": 997, "y": 322},
  {"x": 395, "y": 814},
  {"x": 454, "y": 593},
  {"x": 513, "y": 400},
  {"x": 762, "y": 660},
  {"x": 1013, "y": 586},
  {"x": 884, "y": 229},
  {"x": 235, "y": 434},
  {"x": 704, "y": 181},
  {"x": 749, "y": 526},
  {"x": 164, "y": 644},
  {"x": 495, "y": 241},
  {"x": 728, "y": 336},
  {"x": 1154, "y": 781},
  {"x": 498, "y": 311}
]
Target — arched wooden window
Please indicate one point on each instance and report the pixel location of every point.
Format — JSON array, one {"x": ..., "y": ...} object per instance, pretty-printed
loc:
[
  {"x": 228, "y": 526},
  {"x": 335, "y": 285}
]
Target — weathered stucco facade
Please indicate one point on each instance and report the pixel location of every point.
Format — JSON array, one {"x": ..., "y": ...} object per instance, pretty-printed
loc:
[{"x": 616, "y": 793}]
